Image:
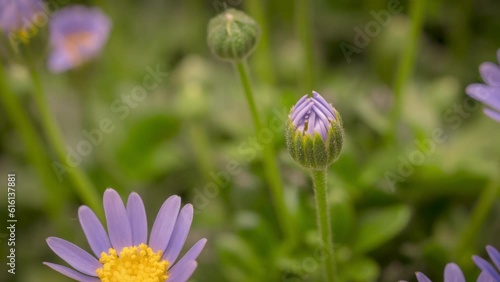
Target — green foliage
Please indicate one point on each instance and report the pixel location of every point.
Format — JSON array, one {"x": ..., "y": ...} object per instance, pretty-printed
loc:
[
  {"x": 398, "y": 204},
  {"x": 377, "y": 227}
]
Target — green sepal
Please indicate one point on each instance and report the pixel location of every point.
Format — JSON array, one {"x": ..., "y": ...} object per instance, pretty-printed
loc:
[
  {"x": 321, "y": 155},
  {"x": 309, "y": 151}
]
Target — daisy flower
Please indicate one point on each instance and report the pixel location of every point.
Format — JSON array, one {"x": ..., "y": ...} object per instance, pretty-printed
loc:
[
  {"x": 124, "y": 253},
  {"x": 19, "y": 14},
  {"x": 77, "y": 34},
  {"x": 488, "y": 93}
]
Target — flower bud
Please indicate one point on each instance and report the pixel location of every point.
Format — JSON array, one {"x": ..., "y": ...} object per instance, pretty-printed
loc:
[
  {"x": 232, "y": 35},
  {"x": 314, "y": 133}
]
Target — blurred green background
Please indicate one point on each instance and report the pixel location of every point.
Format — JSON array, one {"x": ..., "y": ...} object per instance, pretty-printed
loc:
[{"x": 196, "y": 122}]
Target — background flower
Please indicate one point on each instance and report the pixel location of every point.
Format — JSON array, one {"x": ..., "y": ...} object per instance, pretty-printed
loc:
[
  {"x": 77, "y": 34},
  {"x": 18, "y": 14},
  {"x": 489, "y": 93}
]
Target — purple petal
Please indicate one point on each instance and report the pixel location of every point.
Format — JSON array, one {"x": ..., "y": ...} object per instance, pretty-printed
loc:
[
  {"x": 492, "y": 114},
  {"x": 181, "y": 273},
  {"x": 319, "y": 112},
  {"x": 485, "y": 94},
  {"x": 321, "y": 128},
  {"x": 303, "y": 102},
  {"x": 60, "y": 61},
  {"x": 485, "y": 277},
  {"x": 94, "y": 231},
  {"x": 311, "y": 124},
  {"x": 119, "y": 230},
  {"x": 327, "y": 113},
  {"x": 300, "y": 115},
  {"x": 422, "y": 278},
  {"x": 138, "y": 219},
  {"x": 164, "y": 224},
  {"x": 193, "y": 253},
  {"x": 71, "y": 273},
  {"x": 490, "y": 73},
  {"x": 74, "y": 255},
  {"x": 494, "y": 255},
  {"x": 453, "y": 273},
  {"x": 486, "y": 267},
  {"x": 179, "y": 235},
  {"x": 322, "y": 100}
]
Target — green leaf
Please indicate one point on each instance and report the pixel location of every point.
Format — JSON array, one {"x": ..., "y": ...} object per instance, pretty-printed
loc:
[
  {"x": 361, "y": 269},
  {"x": 143, "y": 154},
  {"x": 379, "y": 226},
  {"x": 342, "y": 215},
  {"x": 239, "y": 259}
]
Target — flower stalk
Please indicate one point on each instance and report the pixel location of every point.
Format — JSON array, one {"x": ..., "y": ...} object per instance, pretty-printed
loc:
[
  {"x": 35, "y": 151},
  {"x": 323, "y": 218},
  {"x": 270, "y": 166},
  {"x": 232, "y": 36},
  {"x": 406, "y": 64},
  {"x": 81, "y": 183}
]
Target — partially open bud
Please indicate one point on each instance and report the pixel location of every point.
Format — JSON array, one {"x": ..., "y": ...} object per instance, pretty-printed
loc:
[
  {"x": 232, "y": 35},
  {"x": 314, "y": 133}
]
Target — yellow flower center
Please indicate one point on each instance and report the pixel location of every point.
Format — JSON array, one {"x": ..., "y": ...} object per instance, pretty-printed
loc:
[{"x": 133, "y": 264}]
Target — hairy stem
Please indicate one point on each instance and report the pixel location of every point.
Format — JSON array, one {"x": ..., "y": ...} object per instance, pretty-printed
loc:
[{"x": 324, "y": 225}]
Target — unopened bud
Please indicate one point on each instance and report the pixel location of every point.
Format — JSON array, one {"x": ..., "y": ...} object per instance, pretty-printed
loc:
[
  {"x": 232, "y": 35},
  {"x": 314, "y": 133}
]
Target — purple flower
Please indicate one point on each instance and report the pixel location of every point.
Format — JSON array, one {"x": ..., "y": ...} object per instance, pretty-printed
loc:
[
  {"x": 77, "y": 34},
  {"x": 453, "y": 273},
  {"x": 124, "y": 253},
  {"x": 16, "y": 15},
  {"x": 485, "y": 266},
  {"x": 489, "y": 93}
]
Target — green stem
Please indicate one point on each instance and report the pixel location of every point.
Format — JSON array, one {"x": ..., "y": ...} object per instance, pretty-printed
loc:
[
  {"x": 406, "y": 63},
  {"x": 201, "y": 148},
  {"x": 35, "y": 151},
  {"x": 82, "y": 185},
  {"x": 325, "y": 229},
  {"x": 487, "y": 198},
  {"x": 247, "y": 87},
  {"x": 263, "y": 58},
  {"x": 303, "y": 20},
  {"x": 269, "y": 162}
]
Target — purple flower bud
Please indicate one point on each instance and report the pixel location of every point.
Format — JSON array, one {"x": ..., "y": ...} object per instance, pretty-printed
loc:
[
  {"x": 77, "y": 34},
  {"x": 314, "y": 132}
]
